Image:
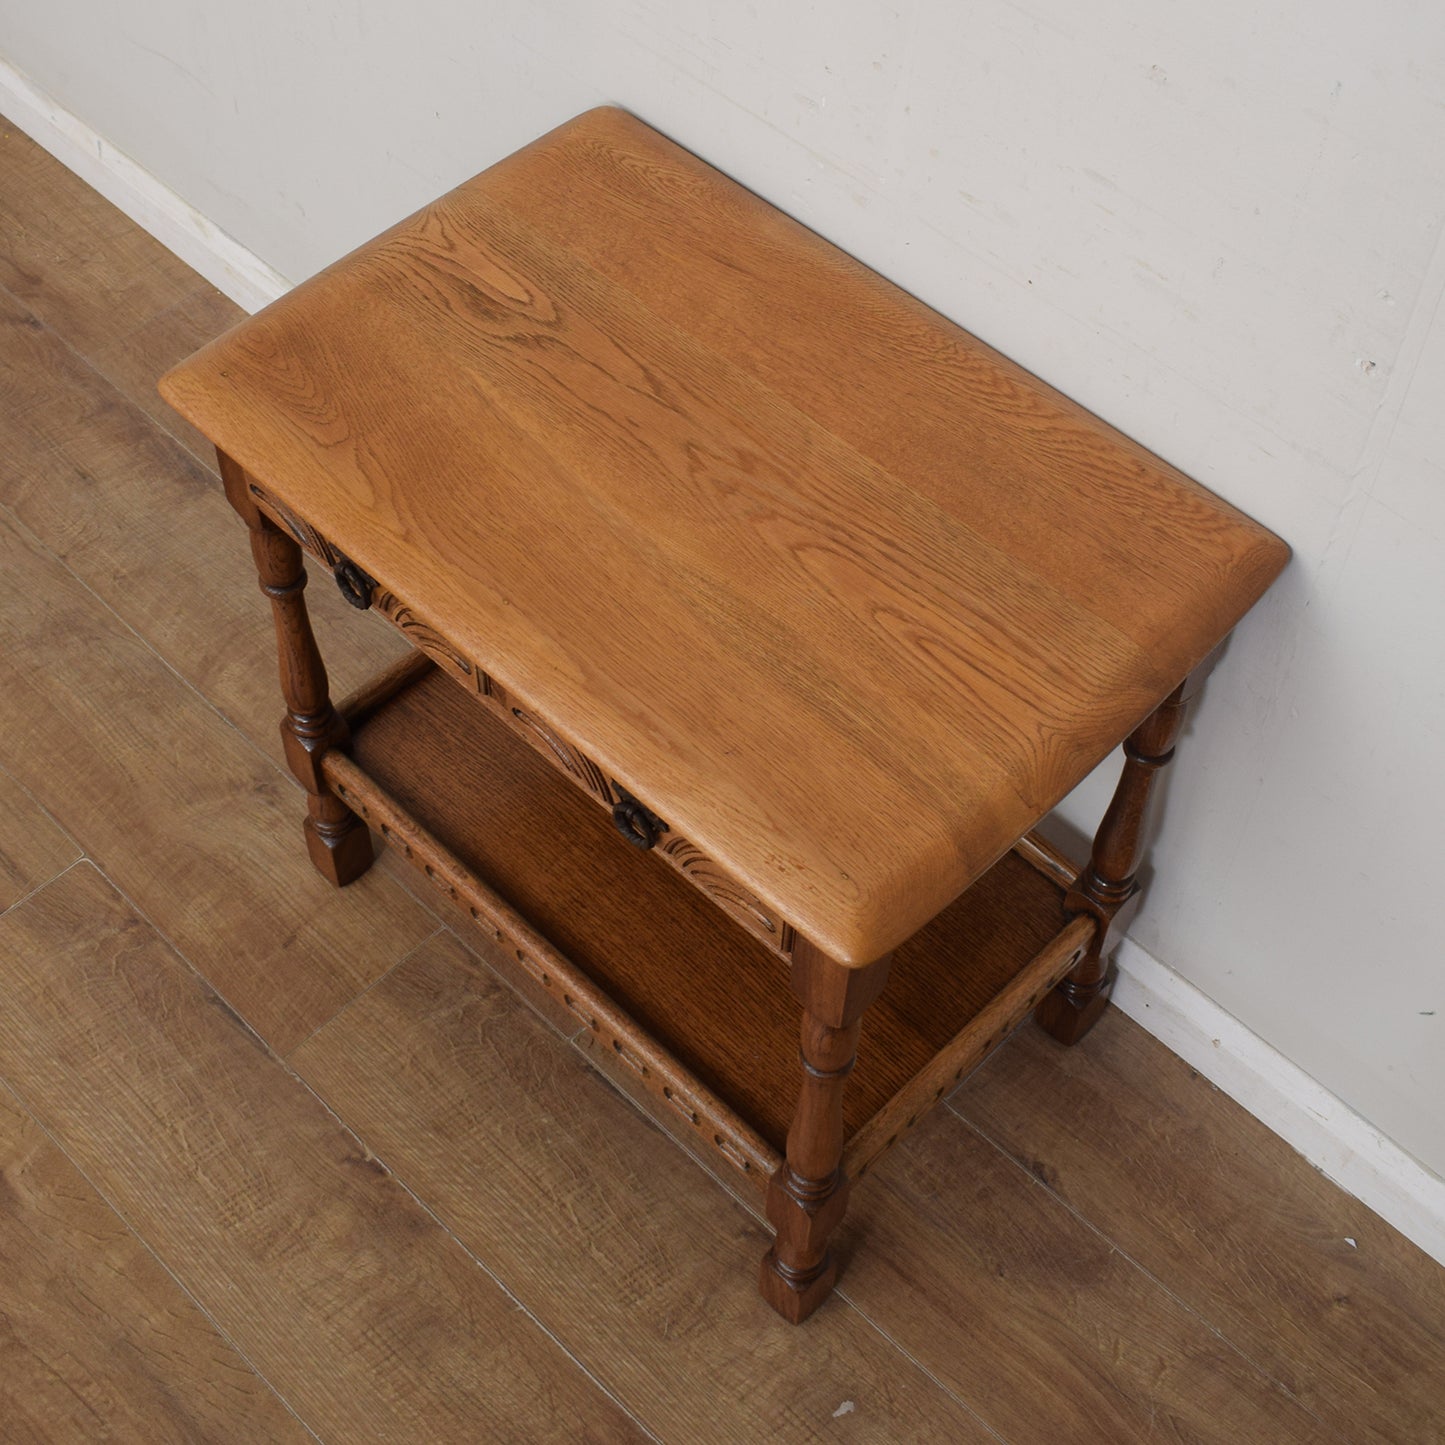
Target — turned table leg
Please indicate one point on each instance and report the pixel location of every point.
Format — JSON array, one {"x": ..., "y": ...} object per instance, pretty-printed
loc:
[
  {"x": 1108, "y": 886},
  {"x": 336, "y": 839},
  {"x": 809, "y": 1193}
]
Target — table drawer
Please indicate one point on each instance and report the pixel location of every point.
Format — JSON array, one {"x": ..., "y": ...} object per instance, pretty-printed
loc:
[
  {"x": 686, "y": 857},
  {"x": 689, "y": 860}
]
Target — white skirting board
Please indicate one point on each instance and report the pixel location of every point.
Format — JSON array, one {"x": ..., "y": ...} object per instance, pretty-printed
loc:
[
  {"x": 222, "y": 260},
  {"x": 1329, "y": 1134},
  {"x": 1336, "y": 1140}
]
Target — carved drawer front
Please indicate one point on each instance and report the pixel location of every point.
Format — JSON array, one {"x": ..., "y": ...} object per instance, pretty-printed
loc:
[{"x": 635, "y": 822}]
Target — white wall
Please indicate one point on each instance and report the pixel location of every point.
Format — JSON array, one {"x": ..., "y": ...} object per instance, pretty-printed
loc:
[{"x": 1216, "y": 225}]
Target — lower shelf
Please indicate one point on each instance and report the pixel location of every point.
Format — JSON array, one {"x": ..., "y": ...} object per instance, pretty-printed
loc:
[{"x": 681, "y": 997}]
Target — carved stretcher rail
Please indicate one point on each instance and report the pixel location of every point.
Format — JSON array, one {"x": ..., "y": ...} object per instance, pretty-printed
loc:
[{"x": 554, "y": 975}]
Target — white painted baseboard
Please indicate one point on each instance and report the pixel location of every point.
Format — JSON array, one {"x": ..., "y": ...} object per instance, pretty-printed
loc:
[
  {"x": 1336, "y": 1140},
  {"x": 1330, "y": 1135},
  {"x": 221, "y": 259}
]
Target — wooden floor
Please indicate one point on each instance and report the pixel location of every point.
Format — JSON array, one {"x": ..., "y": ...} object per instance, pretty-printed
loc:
[{"x": 279, "y": 1162}]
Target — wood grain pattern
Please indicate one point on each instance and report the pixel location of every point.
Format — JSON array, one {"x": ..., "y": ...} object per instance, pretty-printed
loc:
[
  {"x": 700, "y": 870},
  {"x": 32, "y": 848},
  {"x": 300, "y": 1244},
  {"x": 626, "y": 919},
  {"x": 476, "y": 407},
  {"x": 1010, "y": 1300},
  {"x": 1306, "y": 1280},
  {"x": 735, "y": 900},
  {"x": 925, "y": 400},
  {"x": 144, "y": 525},
  {"x": 97, "y": 1341},
  {"x": 186, "y": 817},
  {"x": 634, "y": 1266}
]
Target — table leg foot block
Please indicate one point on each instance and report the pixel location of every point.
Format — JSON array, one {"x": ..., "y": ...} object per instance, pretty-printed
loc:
[
  {"x": 795, "y": 1294},
  {"x": 1070, "y": 1010},
  {"x": 340, "y": 849},
  {"x": 799, "y": 1271}
]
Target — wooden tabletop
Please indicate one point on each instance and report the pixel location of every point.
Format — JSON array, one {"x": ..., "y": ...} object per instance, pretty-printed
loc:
[{"x": 846, "y": 596}]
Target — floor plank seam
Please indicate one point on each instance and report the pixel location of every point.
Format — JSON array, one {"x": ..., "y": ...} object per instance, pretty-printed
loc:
[
  {"x": 40, "y": 807},
  {"x": 41, "y": 887},
  {"x": 356, "y": 998},
  {"x": 476, "y": 1259},
  {"x": 755, "y": 1212},
  {"x": 409, "y": 881},
  {"x": 33, "y": 538},
  {"x": 750, "y": 1208},
  {"x": 842, "y": 1292},
  {"x": 150, "y": 1249},
  {"x": 185, "y": 959},
  {"x": 207, "y": 461},
  {"x": 1261, "y": 1370},
  {"x": 21, "y": 304}
]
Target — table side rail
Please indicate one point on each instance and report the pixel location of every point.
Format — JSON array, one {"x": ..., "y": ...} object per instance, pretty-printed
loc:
[
  {"x": 617, "y": 1036},
  {"x": 969, "y": 1047},
  {"x": 1055, "y": 865}
]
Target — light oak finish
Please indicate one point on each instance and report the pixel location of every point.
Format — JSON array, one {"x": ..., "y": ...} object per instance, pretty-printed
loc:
[
  {"x": 132, "y": 363},
  {"x": 834, "y": 693},
  {"x": 475, "y": 405},
  {"x": 249, "y": 499},
  {"x": 300, "y": 1245},
  {"x": 97, "y": 1341}
]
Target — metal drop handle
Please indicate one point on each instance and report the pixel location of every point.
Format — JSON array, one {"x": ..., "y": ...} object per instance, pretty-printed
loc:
[{"x": 638, "y": 824}]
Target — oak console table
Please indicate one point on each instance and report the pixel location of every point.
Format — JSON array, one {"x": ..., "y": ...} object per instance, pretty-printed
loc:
[{"x": 759, "y": 614}]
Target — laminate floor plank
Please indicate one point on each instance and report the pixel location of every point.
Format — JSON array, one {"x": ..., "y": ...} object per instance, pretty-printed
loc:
[
  {"x": 197, "y": 828},
  {"x": 145, "y": 525},
  {"x": 135, "y": 363},
  {"x": 114, "y": 294},
  {"x": 1307, "y": 1280},
  {"x": 33, "y": 849},
  {"x": 346, "y": 1294},
  {"x": 622, "y": 1247},
  {"x": 97, "y": 1341},
  {"x": 1003, "y": 1295},
  {"x": 85, "y": 268}
]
